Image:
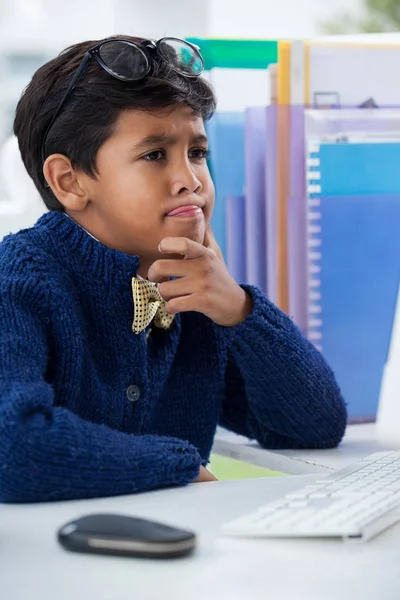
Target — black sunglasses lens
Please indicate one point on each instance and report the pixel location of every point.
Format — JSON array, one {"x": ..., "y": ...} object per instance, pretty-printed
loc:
[
  {"x": 124, "y": 61},
  {"x": 184, "y": 57}
]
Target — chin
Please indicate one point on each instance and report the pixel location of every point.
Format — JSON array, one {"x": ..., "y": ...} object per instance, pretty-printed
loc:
[
  {"x": 198, "y": 236},
  {"x": 195, "y": 232}
]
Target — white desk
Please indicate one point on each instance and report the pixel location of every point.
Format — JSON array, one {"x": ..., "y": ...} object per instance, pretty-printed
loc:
[
  {"x": 358, "y": 442},
  {"x": 34, "y": 567}
]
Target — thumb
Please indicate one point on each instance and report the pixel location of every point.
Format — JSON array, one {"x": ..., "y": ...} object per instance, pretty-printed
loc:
[{"x": 211, "y": 243}]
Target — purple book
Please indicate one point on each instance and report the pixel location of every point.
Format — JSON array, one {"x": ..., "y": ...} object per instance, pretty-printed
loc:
[
  {"x": 297, "y": 222},
  {"x": 255, "y": 164},
  {"x": 271, "y": 197}
]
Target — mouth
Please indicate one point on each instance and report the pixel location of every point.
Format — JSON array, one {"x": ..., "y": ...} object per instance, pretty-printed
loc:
[{"x": 191, "y": 211}]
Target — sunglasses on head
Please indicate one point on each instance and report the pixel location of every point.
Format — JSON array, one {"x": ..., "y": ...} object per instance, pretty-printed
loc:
[{"x": 129, "y": 61}]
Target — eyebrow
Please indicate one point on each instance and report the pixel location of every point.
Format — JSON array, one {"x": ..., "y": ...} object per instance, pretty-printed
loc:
[{"x": 166, "y": 140}]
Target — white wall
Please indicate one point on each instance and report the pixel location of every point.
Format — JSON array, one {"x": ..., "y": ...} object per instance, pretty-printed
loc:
[
  {"x": 52, "y": 24},
  {"x": 55, "y": 23},
  {"x": 272, "y": 19},
  {"x": 157, "y": 18}
]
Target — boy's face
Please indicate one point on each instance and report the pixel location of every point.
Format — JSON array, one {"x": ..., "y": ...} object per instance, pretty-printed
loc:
[{"x": 153, "y": 182}]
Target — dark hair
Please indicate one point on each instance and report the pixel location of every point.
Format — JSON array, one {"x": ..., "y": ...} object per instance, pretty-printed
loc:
[{"x": 91, "y": 111}]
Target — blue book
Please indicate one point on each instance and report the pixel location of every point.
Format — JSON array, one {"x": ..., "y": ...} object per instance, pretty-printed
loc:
[
  {"x": 360, "y": 168},
  {"x": 236, "y": 238},
  {"x": 226, "y": 132},
  {"x": 354, "y": 263}
]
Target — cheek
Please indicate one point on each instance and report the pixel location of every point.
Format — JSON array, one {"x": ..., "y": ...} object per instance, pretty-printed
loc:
[
  {"x": 210, "y": 194},
  {"x": 207, "y": 183},
  {"x": 134, "y": 194},
  {"x": 125, "y": 178}
]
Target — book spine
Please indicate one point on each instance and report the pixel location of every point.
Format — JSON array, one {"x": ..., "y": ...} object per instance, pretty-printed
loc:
[{"x": 314, "y": 246}]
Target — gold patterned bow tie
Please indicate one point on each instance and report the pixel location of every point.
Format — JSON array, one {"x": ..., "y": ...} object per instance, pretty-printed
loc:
[{"x": 149, "y": 305}]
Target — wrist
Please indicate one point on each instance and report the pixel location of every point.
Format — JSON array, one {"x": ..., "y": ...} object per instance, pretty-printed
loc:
[{"x": 243, "y": 308}]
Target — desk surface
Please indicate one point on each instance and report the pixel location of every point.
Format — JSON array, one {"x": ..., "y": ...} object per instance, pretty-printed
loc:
[
  {"x": 359, "y": 441},
  {"x": 34, "y": 567}
]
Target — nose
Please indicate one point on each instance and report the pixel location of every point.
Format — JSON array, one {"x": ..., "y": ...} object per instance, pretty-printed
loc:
[{"x": 185, "y": 180}]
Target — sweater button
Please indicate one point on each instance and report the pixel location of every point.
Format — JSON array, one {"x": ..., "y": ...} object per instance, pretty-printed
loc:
[{"x": 133, "y": 393}]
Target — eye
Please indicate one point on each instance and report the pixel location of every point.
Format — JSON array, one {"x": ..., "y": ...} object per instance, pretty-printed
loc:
[
  {"x": 199, "y": 153},
  {"x": 154, "y": 156}
]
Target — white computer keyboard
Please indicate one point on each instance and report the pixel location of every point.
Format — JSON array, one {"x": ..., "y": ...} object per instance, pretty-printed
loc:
[{"x": 353, "y": 503}]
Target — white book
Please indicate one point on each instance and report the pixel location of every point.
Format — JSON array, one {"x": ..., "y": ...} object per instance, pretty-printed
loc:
[{"x": 388, "y": 415}]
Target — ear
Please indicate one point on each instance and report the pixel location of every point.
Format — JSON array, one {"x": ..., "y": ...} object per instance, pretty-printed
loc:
[{"x": 66, "y": 183}]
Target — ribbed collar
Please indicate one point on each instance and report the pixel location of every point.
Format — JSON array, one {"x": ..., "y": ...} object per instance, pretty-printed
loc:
[{"x": 75, "y": 246}]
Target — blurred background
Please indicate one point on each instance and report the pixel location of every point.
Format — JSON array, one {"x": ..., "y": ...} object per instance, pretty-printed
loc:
[{"x": 305, "y": 150}]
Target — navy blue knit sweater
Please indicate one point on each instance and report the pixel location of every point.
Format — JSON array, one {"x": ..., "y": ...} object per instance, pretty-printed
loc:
[{"x": 87, "y": 408}]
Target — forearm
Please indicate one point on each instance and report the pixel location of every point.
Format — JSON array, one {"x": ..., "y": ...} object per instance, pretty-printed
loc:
[
  {"x": 51, "y": 454},
  {"x": 292, "y": 397}
]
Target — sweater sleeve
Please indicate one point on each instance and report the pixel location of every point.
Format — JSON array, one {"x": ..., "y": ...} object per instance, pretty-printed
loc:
[
  {"x": 48, "y": 452},
  {"x": 279, "y": 389}
]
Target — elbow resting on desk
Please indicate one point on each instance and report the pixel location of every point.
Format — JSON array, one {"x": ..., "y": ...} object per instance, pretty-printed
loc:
[
  {"x": 316, "y": 419},
  {"x": 280, "y": 389},
  {"x": 288, "y": 432}
]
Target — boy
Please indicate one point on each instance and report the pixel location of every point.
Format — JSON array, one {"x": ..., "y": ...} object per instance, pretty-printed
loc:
[{"x": 104, "y": 388}]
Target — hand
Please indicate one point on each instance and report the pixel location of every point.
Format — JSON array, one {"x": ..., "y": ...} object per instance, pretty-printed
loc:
[
  {"x": 205, "y": 475},
  {"x": 203, "y": 282}
]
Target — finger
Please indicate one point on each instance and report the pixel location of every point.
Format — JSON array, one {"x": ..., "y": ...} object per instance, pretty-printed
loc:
[
  {"x": 205, "y": 476},
  {"x": 183, "y": 304},
  {"x": 184, "y": 246},
  {"x": 208, "y": 476},
  {"x": 177, "y": 288},
  {"x": 211, "y": 243},
  {"x": 165, "y": 268}
]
